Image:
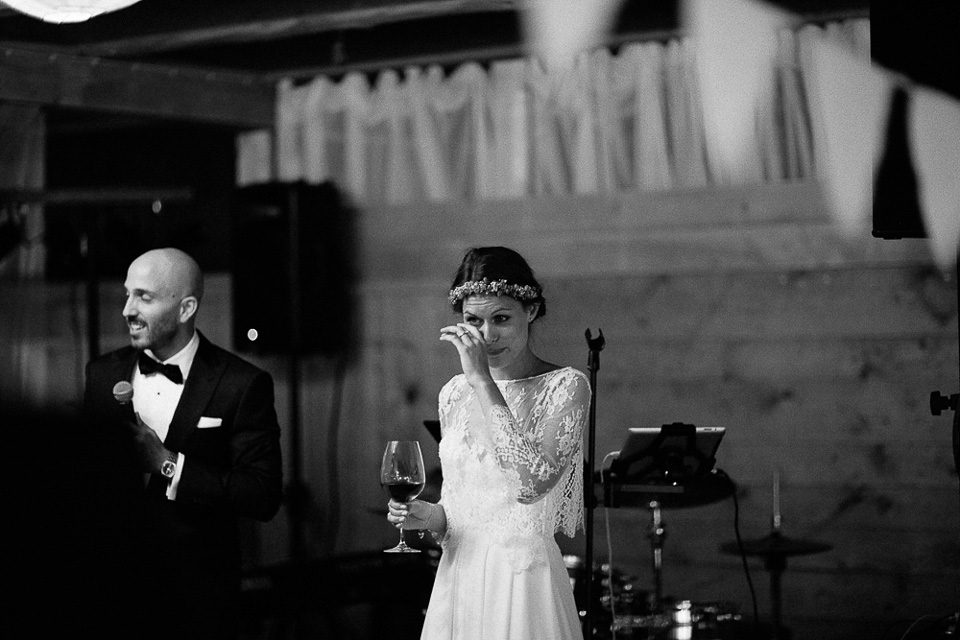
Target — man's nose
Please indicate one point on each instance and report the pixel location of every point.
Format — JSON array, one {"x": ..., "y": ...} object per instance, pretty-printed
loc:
[{"x": 128, "y": 307}]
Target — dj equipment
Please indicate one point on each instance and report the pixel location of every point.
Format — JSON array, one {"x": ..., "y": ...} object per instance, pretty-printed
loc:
[{"x": 671, "y": 466}]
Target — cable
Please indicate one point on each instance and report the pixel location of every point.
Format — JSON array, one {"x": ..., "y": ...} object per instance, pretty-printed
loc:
[
  {"x": 613, "y": 610},
  {"x": 932, "y": 628},
  {"x": 606, "y": 519},
  {"x": 912, "y": 625},
  {"x": 743, "y": 555},
  {"x": 890, "y": 627}
]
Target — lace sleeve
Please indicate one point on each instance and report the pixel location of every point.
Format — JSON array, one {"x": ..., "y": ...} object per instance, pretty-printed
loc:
[{"x": 538, "y": 456}]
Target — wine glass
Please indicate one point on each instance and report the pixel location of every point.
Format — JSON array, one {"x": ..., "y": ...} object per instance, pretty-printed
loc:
[{"x": 401, "y": 474}]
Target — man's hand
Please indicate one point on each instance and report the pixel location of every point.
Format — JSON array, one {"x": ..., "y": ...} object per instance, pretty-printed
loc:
[{"x": 150, "y": 450}]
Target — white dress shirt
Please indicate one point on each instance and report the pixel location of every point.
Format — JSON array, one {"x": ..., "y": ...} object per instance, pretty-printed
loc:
[{"x": 155, "y": 399}]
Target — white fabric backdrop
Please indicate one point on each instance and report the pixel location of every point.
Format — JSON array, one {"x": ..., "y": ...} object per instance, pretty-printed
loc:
[
  {"x": 24, "y": 354},
  {"x": 631, "y": 120}
]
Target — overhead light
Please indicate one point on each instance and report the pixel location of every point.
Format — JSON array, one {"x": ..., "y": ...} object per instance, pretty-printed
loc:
[{"x": 63, "y": 11}]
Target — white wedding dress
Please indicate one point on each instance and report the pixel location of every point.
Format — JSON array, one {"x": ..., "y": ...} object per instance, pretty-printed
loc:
[{"x": 509, "y": 484}]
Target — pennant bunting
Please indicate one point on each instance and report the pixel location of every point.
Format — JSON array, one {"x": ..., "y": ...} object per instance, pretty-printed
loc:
[
  {"x": 736, "y": 43},
  {"x": 557, "y": 31},
  {"x": 850, "y": 101},
  {"x": 934, "y": 139}
]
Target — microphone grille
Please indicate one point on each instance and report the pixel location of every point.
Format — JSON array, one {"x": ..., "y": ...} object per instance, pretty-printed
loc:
[{"x": 123, "y": 392}]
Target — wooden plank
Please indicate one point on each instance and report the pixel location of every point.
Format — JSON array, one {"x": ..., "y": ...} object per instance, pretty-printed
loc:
[
  {"x": 782, "y": 361},
  {"x": 770, "y": 227},
  {"x": 59, "y": 79},
  {"x": 879, "y": 329},
  {"x": 97, "y": 196},
  {"x": 775, "y": 304},
  {"x": 880, "y": 421},
  {"x": 306, "y": 22},
  {"x": 705, "y": 207},
  {"x": 878, "y": 463}
]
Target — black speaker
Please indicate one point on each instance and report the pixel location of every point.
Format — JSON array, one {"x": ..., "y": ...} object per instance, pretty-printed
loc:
[
  {"x": 916, "y": 40},
  {"x": 896, "y": 200},
  {"x": 292, "y": 268}
]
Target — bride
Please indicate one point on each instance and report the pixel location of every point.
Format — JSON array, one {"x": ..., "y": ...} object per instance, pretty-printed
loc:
[{"x": 512, "y": 464}]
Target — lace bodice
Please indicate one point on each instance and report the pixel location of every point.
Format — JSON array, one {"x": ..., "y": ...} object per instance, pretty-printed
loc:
[{"x": 517, "y": 476}]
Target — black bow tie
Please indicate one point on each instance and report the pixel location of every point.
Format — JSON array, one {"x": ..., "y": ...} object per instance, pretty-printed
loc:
[{"x": 148, "y": 365}]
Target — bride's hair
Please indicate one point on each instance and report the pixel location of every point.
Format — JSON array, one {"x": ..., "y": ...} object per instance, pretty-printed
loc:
[{"x": 495, "y": 264}]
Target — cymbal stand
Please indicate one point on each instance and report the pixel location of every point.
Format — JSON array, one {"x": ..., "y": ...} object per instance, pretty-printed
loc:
[
  {"x": 657, "y": 534},
  {"x": 776, "y": 564}
]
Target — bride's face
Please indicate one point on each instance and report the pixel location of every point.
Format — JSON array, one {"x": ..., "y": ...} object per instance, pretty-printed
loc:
[{"x": 504, "y": 324}]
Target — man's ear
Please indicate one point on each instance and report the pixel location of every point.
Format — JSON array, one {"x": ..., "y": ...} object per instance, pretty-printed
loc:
[{"x": 188, "y": 307}]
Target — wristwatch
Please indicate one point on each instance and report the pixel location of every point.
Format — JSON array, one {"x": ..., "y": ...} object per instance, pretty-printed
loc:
[{"x": 169, "y": 466}]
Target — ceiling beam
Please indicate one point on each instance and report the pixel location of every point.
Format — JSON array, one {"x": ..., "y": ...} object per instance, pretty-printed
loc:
[
  {"x": 97, "y": 195},
  {"x": 53, "y": 78},
  {"x": 511, "y": 50},
  {"x": 334, "y": 18}
]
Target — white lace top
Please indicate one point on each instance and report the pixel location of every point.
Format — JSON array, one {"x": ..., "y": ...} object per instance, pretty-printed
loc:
[{"x": 518, "y": 478}]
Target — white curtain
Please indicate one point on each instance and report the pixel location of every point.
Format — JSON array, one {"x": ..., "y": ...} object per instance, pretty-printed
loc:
[
  {"x": 631, "y": 120},
  {"x": 24, "y": 353},
  {"x": 22, "y": 160}
]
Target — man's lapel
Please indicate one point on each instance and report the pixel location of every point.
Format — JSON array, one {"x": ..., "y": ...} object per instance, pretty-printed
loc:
[{"x": 197, "y": 390}]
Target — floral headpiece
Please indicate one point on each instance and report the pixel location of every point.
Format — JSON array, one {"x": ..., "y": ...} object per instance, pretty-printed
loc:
[{"x": 523, "y": 293}]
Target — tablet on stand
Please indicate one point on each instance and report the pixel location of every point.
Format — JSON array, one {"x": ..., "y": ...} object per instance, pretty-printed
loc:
[{"x": 667, "y": 466}]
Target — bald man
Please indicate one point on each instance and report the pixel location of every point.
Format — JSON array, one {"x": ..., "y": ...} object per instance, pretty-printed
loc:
[{"x": 199, "y": 450}]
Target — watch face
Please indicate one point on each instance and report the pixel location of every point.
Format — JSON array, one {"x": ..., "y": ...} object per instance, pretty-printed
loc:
[{"x": 168, "y": 469}]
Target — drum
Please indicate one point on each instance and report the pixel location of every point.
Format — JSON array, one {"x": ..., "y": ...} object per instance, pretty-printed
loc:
[
  {"x": 574, "y": 565},
  {"x": 683, "y": 620},
  {"x": 614, "y": 594}
]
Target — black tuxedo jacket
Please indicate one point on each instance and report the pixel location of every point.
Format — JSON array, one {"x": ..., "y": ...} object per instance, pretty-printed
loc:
[{"x": 174, "y": 566}]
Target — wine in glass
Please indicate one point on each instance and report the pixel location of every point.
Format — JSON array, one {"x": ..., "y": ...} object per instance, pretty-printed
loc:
[{"x": 401, "y": 474}]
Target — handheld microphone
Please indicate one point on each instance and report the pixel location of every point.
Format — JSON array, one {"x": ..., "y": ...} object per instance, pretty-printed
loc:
[{"x": 123, "y": 394}]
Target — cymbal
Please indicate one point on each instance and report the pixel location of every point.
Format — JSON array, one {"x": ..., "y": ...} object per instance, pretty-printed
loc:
[{"x": 776, "y": 544}]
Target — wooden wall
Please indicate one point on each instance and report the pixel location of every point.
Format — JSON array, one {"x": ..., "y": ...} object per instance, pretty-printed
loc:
[
  {"x": 737, "y": 307},
  {"x": 741, "y": 308}
]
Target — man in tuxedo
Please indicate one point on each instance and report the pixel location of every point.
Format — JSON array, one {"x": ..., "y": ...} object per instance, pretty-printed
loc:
[{"x": 173, "y": 469}]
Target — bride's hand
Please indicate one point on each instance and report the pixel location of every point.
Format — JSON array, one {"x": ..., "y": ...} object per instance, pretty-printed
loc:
[
  {"x": 411, "y": 515},
  {"x": 472, "y": 349}
]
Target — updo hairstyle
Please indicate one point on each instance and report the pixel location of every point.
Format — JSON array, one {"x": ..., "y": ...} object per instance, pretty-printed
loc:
[{"x": 497, "y": 263}]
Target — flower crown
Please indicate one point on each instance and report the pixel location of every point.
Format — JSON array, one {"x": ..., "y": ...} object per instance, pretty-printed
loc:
[{"x": 523, "y": 293}]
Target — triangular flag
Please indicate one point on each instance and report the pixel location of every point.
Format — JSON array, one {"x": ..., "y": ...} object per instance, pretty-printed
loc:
[
  {"x": 556, "y": 31},
  {"x": 736, "y": 43},
  {"x": 850, "y": 98},
  {"x": 934, "y": 139}
]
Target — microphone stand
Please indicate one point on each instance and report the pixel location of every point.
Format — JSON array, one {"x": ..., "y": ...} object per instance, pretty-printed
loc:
[
  {"x": 595, "y": 345},
  {"x": 297, "y": 494}
]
